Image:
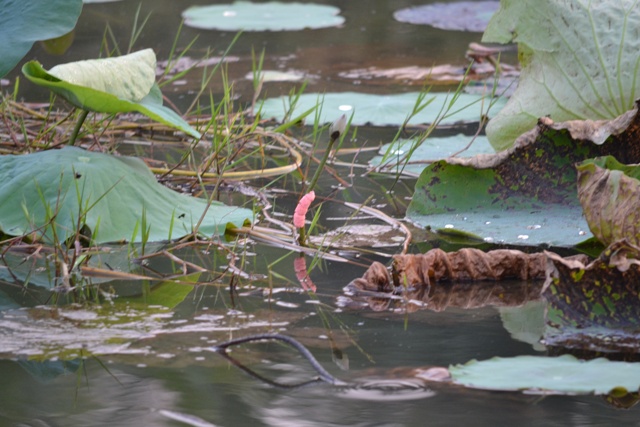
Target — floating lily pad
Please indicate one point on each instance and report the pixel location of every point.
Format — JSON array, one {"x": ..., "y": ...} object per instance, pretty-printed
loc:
[
  {"x": 453, "y": 197},
  {"x": 115, "y": 196},
  {"x": 544, "y": 375},
  {"x": 269, "y": 16},
  {"x": 462, "y": 16},
  {"x": 382, "y": 110},
  {"x": 579, "y": 61},
  {"x": 392, "y": 157},
  {"x": 527, "y": 194},
  {"x": 24, "y": 22},
  {"x": 522, "y": 196}
]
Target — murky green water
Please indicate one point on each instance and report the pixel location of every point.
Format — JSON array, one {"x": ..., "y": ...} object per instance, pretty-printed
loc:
[{"x": 154, "y": 367}]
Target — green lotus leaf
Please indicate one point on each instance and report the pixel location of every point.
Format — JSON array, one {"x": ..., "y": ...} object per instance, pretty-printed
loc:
[
  {"x": 24, "y": 22},
  {"x": 128, "y": 77},
  {"x": 579, "y": 61},
  {"x": 115, "y": 85},
  {"x": 381, "y": 110},
  {"x": 50, "y": 194},
  {"x": 525, "y": 195},
  {"x": 269, "y": 16},
  {"x": 610, "y": 195},
  {"x": 404, "y": 155},
  {"x": 449, "y": 197},
  {"x": 559, "y": 375}
]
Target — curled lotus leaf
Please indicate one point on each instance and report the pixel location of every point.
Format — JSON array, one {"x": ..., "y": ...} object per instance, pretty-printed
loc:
[
  {"x": 610, "y": 195},
  {"x": 437, "y": 279},
  {"x": 129, "y": 77},
  {"x": 121, "y": 85}
]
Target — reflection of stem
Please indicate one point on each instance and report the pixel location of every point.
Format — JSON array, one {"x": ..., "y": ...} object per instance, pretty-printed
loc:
[
  {"x": 76, "y": 130},
  {"x": 264, "y": 379},
  {"x": 323, "y": 375}
]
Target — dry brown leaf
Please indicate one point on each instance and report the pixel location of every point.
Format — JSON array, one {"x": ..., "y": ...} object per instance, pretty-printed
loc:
[{"x": 414, "y": 279}]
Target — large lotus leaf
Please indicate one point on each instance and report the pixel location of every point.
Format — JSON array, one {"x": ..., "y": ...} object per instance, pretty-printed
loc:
[
  {"x": 411, "y": 155},
  {"x": 610, "y": 195},
  {"x": 579, "y": 61},
  {"x": 595, "y": 306},
  {"x": 24, "y": 22},
  {"x": 527, "y": 194},
  {"x": 460, "y": 15},
  {"x": 113, "y": 195},
  {"x": 269, "y": 16},
  {"x": 382, "y": 110},
  {"x": 559, "y": 375},
  {"x": 111, "y": 88}
]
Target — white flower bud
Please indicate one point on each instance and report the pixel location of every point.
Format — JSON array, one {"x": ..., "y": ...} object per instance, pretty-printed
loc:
[{"x": 337, "y": 128}]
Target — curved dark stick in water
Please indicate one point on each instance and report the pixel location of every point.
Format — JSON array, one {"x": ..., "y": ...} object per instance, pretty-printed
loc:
[{"x": 323, "y": 375}]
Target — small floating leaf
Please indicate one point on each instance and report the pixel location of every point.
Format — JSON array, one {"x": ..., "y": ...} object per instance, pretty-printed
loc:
[
  {"x": 559, "y": 375},
  {"x": 111, "y": 193},
  {"x": 269, "y": 16},
  {"x": 462, "y": 15},
  {"x": 382, "y": 110}
]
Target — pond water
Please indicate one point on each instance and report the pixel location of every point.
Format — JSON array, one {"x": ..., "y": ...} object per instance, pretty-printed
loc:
[{"x": 143, "y": 363}]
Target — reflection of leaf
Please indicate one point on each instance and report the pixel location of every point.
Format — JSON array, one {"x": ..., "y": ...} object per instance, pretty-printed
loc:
[
  {"x": 58, "y": 45},
  {"x": 381, "y": 110},
  {"x": 460, "y": 15},
  {"x": 24, "y": 22},
  {"x": 99, "y": 86},
  {"x": 610, "y": 195},
  {"x": 561, "y": 375},
  {"x": 595, "y": 306},
  {"x": 269, "y": 16},
  {"x": 525, "y": 322},
  {"x": 579, "y": 61},
  {"x": 524, "y": 195},
  {"x": 112, "y": 191}
]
